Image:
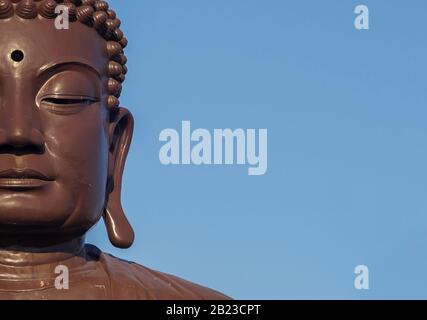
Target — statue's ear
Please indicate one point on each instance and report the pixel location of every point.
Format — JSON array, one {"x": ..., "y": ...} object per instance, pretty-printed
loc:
[{"x": 120, "y": 231}]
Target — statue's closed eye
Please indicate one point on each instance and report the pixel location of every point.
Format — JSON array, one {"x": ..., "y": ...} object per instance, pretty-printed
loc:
[
  {"x": 59, "y": 104},
  {"x": 68, "y": 91},
  {"x": 68, "y": 101}
]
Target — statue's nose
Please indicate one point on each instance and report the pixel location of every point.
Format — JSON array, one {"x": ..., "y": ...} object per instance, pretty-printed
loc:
[
  {"x": 20, "y": 131},
  {"x": 21, "y": 140}
]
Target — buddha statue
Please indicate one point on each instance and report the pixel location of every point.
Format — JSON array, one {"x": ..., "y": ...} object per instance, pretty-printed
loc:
[{"x": 63, "y": 144}]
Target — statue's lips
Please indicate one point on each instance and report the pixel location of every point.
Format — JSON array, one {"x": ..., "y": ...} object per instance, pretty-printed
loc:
[{"x": 25, "y": 178}]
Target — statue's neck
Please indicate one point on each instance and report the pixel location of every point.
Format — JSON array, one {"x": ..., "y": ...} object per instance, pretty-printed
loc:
[{"x": 23, "y": 256}]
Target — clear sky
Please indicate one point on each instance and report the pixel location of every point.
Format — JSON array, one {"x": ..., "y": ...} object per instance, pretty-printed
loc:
[{"x": 346, "y": 113}]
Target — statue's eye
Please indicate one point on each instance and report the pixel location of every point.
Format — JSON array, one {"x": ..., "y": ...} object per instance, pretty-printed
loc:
[
  {"x": 68, "y": 101},
  {"x": 69, "y": 91}
]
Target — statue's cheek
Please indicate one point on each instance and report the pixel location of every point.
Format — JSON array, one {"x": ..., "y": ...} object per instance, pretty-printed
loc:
[{"x": 77, "y": 147}]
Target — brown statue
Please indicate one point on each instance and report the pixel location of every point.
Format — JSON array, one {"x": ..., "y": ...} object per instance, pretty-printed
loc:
[{"x": 63, "y": 145}]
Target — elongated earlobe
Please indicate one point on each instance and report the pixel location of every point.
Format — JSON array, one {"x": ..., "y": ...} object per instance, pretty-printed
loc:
[{"x": 119, "y": 230}]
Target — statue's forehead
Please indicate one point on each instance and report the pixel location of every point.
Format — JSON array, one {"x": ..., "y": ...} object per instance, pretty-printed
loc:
[{"x": 43, "y": 44}]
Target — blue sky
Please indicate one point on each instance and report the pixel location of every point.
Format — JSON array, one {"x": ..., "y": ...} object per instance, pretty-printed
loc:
[{"x": 346, "y": 117}]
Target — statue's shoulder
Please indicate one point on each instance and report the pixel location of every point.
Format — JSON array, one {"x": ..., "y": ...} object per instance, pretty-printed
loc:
[{"x": 130, "y": 280}]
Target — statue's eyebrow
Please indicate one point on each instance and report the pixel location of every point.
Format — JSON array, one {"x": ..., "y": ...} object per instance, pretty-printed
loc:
[{"x": 52, "y": 66}]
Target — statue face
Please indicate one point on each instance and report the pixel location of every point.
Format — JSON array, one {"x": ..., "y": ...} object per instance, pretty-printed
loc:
[{"x": 54, "y": 127}]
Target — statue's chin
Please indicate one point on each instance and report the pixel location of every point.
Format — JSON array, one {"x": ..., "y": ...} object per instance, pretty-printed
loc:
[{"x": 47, "y": 210}]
